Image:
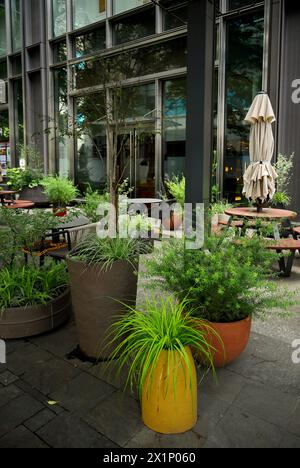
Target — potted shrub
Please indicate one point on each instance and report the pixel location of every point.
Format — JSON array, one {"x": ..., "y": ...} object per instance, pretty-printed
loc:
[
  {"x": 227, "y": 283},
  {"x": 176, "y": 188},
  {"x": 27, "y": 181},
  {"x": 155, "y": 340},
  {"x": 284, "y": 170},
  {"x": 61, "y": 192},
  {"x": 100, "y": 270},
  {"x": 217, "y": 212}
]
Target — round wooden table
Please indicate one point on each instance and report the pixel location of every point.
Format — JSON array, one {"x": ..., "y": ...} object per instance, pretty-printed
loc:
[
  {"x": 20, "y": 205},
  {"x": 5, "y": 193},
  {"x": 265, "y": 214}
]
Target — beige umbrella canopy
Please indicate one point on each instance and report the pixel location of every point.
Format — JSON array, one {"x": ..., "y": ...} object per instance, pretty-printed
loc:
[{"x": 259, "y": 178}]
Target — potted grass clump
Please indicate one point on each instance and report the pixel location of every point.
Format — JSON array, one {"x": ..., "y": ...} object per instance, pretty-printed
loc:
[
  {"x": 60, "y": 192},
  {"x": 34, "y": 298},
  {"x": 227, "y": 282},
  {"x": 102, "y": 270},
  {"x": 156, "y": 342}
]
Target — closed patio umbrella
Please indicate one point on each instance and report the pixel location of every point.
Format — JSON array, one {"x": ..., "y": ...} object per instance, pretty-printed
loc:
[{"x": 259, "y": 178}]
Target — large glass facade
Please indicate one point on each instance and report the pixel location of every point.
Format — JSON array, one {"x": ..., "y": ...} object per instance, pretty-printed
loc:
[
  {"x": 2, "y": 28},
  {"x": 18, "y": 115},
  {"x": 135, "y": 27},
  {"x": 174, "y": 127},
  {"x": 244, "y": 61},
  {"x": 61, "y": 121},
  {"x": 88, "y": 12},
  {"x": 16, "y": 25},
  {"x": 59, "y": 17},
  {"x": 90, "y": 43}
]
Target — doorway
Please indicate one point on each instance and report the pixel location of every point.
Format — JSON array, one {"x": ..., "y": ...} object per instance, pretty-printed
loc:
[{"x": 137, "y": 161}]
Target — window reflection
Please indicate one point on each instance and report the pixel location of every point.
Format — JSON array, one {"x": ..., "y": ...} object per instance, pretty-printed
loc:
[
  {"x": 243, "y": 81},
  {"x": 137, "y": 62},
  {"x": 90, "y": 43},
  {"x": 61, "y": 121},
  {"x": 124, "y": 5},
  {"x": 174, "y": 125},
  {"x": 59, "y": 17},
  {"x": 88, "y": 12},
  {"x": 2, "y": 28},
  {"x": 16, "y": 24},
  {"x": 135, "y": 27}
]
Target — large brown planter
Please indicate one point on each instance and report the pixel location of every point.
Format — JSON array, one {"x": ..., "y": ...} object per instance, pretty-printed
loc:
[
  {"x": 235, "y": 337},
  {"x": 24, "y": 322},
  {"x": 96, "y": 297}
]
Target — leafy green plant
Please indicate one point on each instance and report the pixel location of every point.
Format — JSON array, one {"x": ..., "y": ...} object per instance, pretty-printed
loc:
[
  {"x": 281, "y": 199},
  {"x": 158, "y": 325},
  {"x": 60, "y": 191},
  {"x": 219, "y": 208},
  {"x": 31, "y": 176},
  {"x": 29, "y": 286},
  {"x": 176, "y": 188},
  {"x": 96, "y": 251},
  {"x": 226, "y": 281},
  {"x": 91, "y": 203}
]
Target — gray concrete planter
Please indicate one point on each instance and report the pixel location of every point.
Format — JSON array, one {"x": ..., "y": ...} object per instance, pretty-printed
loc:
[
  {"x": 24, "y": 322},
  {"x": 36, "y": 195},
  {"x": 96, "y": 297}
]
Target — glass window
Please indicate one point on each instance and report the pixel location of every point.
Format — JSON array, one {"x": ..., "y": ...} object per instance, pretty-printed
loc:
[
  {"x": 61, "y": 121},
  {"x": 134, "y": 63},
  {"x": 16, "y": 65},
  {"x": 18, "y": 115},
  {"x": 3, "y": 70},
  {"x": 124, "y": 5},
  {"x": 90, "y": 43},
  {"x": 175, "y": 13},
  {"x": 4, "y": 126},
  {"x": 90, "y": 159},
  {"x": 2, "y": 28},
  {"x": 16, "y": 24},
  {"x": 59, "y": 17},
  {"x": 244, "y": 65},
  {"x": 88, "y": 12},
  {"x": 60, "y": 53},
  {"x": 174, "y": 127},
  {"x": 135, "y": 27},
  {"x": 236, "y": 4}
]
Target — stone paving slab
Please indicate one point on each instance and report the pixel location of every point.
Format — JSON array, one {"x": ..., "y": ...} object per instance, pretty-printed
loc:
[
  {"x": 71, "y": 432},
  {"x": 149, "y": 439},
  {"x": 118, "y": 418},
  {"x": 16, "y": 412},
  {"x": 7, "y": 378},
  {"x": 39, "y": 420},
  {"x": 9, "y": 393},
  {"x": 82, "y": 393},
  {"x": 22, "y": 437}
]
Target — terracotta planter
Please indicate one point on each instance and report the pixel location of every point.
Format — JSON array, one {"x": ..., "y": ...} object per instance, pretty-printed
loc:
[
  {"x": 25, "y": 322},
  {"x": 96, "y": 297},
  {"x": 173, "y": 223},
  {"x": 235, "y": 337},
  {"x": 169, "y": 410},
  {"x": 60, "y": 212}
]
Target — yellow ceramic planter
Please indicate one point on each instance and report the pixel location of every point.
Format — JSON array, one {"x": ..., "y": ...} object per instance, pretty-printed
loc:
[{"x": 169, "y": 408}]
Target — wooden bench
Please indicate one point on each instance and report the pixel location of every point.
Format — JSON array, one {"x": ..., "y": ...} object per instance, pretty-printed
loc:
[{"x": 281, "y": 245}]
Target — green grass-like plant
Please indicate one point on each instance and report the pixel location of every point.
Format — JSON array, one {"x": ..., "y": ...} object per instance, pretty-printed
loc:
[
  {"x": 160, "y": 324},
  {"x": 60, "y": 191},
  {"x": 176, "y": 187},
  {"x": 30, "y": 286},
  {"x": 96, "y": 251}
]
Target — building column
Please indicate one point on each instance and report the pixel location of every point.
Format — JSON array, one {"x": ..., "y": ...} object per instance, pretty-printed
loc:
[{"x": 201, "y": 39}]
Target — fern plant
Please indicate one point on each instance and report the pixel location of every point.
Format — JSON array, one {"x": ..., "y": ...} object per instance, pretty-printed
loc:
[{"x": 60, "y": 191}]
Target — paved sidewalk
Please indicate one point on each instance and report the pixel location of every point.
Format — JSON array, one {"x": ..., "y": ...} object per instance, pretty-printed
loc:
[{"x": 47, "y": 400}]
